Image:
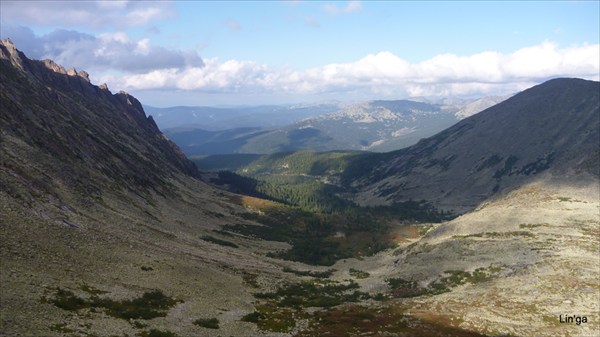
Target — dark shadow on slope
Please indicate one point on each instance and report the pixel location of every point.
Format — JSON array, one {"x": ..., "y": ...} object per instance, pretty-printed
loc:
[
  {"x": 221, "y": 162},
  {"x": 306, "y": 138}
]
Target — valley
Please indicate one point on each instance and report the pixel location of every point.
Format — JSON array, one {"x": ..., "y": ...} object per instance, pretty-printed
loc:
[{"x": 488, "y": 227}]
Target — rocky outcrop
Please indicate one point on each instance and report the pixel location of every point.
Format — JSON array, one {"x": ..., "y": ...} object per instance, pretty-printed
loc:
[{"x": 8, "y": 51}]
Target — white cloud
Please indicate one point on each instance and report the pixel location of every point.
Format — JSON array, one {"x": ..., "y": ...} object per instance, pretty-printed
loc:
[
  {"x": 162, "y": 78},
  {"x": 384, "y": 74},
  {"x": 143, "y": 15},
  {"x": 130, "y": 64},
  {"x": 537, "y": 61},
  {"x": 352, "y": 7},
  {"x": 93, "y": 14},
  {"x": 142, "y": 47},
  {"x": 229, "y": 76},
  {"x": 106, "y": 52}
]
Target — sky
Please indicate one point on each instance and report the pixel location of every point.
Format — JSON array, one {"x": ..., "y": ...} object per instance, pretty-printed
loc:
[{"x": 228, "y": 53}]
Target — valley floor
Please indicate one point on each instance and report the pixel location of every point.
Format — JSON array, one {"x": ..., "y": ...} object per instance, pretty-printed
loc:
[{"x": 516, "y": 266}]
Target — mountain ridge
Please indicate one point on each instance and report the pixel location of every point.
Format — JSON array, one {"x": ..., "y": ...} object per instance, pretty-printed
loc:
[
  {"x": 43, "y": 106},
  {"x": 550, "y": 126}
]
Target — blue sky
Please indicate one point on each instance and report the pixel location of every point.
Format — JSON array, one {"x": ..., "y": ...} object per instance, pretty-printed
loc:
[{"x": 239, "y": 53}]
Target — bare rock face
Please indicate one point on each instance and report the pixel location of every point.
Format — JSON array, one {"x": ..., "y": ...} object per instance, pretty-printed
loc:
[
  {"x": 84, "y": 75},
  {"x": 8, "y": 51},
  {"x": 72, "y": 72},
  {"x": 133, "y": 106},
  {"x": 54, "y": 67}
]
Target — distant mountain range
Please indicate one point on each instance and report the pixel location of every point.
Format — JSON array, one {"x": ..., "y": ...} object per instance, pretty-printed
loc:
[
  {"x": 369, "y": 126},
  {"x": 550, "y": 131},
  {"x": 216, "y": 119}
]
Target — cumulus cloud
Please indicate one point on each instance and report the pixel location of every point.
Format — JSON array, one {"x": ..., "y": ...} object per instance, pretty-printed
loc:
[
  {"x": 230, "y": 76},
  {"x": 384, "y": 74},
  {"x": 138, "y": 65},
  {"x": 109, "y": 51},
  {"x": 85, "y": 13}
]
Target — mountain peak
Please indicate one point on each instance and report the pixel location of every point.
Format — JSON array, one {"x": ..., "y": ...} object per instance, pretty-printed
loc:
[
  {"x": 8, "y": 44},
  {"x": 8, "y": 51}
]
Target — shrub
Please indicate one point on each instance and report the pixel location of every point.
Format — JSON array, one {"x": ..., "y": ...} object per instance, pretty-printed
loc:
[
  {"x": 317, "y": 274},
  {"x": 225, "y": 243},
  {"x": 210, "y": 323},
  {"x": 253, "y": 317},
  {"x": 358, "y": 273},
  {"x": 156, "y": 333},
  {"x": 151, "y": 305},
  {"x": 67, "y": 300}
]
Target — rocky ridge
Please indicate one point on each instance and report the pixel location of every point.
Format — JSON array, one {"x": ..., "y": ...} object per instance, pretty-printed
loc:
[{"x": 60, "y": 113}]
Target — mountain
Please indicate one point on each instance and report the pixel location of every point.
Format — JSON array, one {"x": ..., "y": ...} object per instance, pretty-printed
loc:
[
  {"x": 105, "y": 229},
  {"x": 368, "y": 126},
  {"x": 197, "y": 142},
  {"x": 374, "y": 126},
  {"x": 550, "y": 130},
  {"x": 49, "y": 112},
  {"x": 473, "y": 107}
]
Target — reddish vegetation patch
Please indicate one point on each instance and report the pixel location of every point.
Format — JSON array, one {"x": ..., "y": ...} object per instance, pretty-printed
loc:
[
  {"x": 353, "y": 320},
  {"x": 409, "y": 231},
  {"x": 257, "y": 203},
  {"x": 402, "y": 233}
]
